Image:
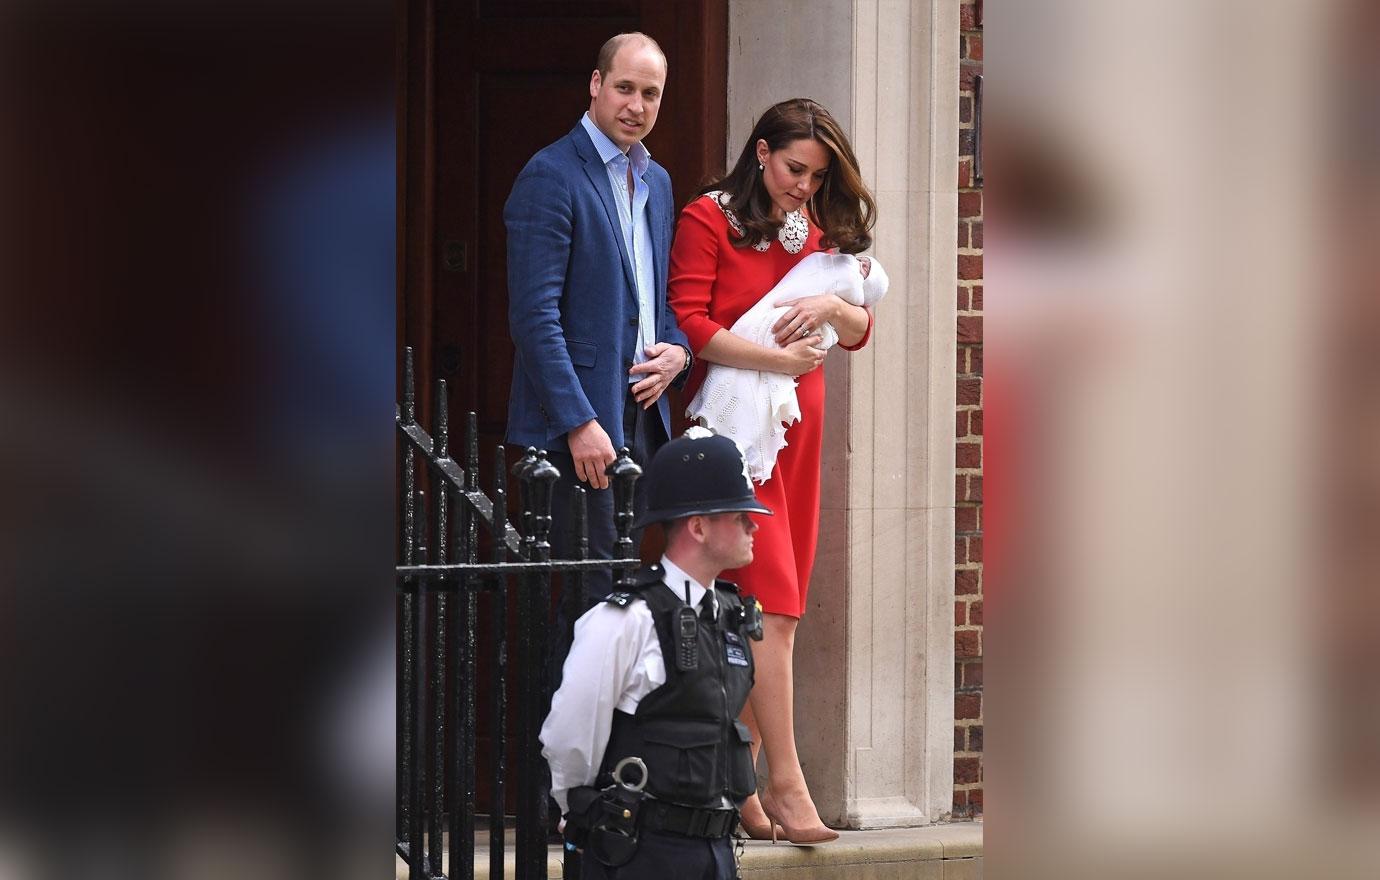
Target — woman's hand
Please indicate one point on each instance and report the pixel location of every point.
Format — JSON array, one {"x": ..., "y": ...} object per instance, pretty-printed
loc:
[
  {"x": 805, "y": 316},
  {"x": 801, "y": 356},
  {"x": 665, "y": 362}
]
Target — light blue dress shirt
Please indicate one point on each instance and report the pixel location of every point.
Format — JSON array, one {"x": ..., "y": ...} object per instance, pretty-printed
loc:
[{"x": 635, "y": 227}]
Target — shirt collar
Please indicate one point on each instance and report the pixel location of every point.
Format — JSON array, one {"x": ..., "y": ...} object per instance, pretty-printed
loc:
[
  {"x": 675, "y": 578},
  {"x": 638, "y": 154}
]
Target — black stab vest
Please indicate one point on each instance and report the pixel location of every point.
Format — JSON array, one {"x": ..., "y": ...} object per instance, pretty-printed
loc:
[{"x": 687, "y": 731}]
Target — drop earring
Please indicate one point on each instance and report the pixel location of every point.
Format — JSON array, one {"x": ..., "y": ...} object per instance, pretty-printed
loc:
[{"x": 761, "y": 167}]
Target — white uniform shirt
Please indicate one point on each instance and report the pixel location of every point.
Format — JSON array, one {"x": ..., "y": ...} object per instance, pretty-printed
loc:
[{"x": 614, "y": 662}]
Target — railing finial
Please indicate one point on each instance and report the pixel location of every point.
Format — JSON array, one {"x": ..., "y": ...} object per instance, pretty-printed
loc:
[
  {"x": 543, "y": 476},
  {"x": 440, "y": 421},
  {"x": 623, "y": 474},
  {"x": 472, "y": 452},
  {"x": 409, "y": 407}
]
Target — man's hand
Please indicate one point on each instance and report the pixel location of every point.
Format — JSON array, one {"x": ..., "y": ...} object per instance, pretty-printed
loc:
[
  {"x": 593, "y": 451},
  {"x": 665, "y": 361}
]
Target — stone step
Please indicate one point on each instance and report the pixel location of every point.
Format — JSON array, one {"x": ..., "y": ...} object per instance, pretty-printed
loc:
[{"x": 936, "y": 852}]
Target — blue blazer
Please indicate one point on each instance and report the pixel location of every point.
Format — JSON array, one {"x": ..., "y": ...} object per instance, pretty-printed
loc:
[{"x": 572, "y": 300}]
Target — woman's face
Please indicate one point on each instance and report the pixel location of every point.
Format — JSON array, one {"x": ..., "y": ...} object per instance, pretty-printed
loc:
[{"x": 793, "y": 173}]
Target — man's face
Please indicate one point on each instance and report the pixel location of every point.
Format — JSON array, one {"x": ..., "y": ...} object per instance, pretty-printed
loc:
[
  {"x": 728, "y": 539},
  {"x": 625, "y": 103}
]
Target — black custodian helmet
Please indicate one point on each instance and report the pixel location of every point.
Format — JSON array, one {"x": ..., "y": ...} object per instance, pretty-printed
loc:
[{"x": 697, "y": 473}]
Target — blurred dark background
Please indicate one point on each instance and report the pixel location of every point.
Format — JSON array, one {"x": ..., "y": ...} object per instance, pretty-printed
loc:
[{"x": 198, "y": 377}]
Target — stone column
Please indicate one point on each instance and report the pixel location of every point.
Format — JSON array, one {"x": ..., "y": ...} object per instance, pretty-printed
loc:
[{"x": 874, "y": 655}]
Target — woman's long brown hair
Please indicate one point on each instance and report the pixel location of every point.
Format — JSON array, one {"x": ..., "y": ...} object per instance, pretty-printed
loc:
[{"x": 842, "y": 207}]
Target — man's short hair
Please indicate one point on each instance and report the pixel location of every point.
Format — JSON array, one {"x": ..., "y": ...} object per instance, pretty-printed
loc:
[
  {"x": 674, "y": 526},
  {"x": 614, "y": 43}
]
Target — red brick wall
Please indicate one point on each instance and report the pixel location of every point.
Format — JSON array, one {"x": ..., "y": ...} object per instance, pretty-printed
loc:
[{"x": 968, "y": 447}]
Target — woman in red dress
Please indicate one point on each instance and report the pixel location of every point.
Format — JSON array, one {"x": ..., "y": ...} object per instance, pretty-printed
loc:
[{"x": 795, "y": 190}]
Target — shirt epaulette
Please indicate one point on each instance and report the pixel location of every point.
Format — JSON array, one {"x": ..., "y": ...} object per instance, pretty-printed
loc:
[
  {"x": 630, "y": 588},
  {"x": 727, "y": 585},
  {"x": 645, "y": 577}
]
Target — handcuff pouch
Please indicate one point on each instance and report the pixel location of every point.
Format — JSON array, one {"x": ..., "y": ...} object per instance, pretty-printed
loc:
[{"x": 603, "y": 822}]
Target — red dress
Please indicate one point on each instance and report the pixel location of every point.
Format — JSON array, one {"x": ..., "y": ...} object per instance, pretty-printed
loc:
[{"x": 711, "y": 285}]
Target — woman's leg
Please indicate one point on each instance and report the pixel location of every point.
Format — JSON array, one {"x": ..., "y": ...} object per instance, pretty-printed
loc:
[
  {"x": 772, "y": 713},
  {"x": 752, "y": 807}
]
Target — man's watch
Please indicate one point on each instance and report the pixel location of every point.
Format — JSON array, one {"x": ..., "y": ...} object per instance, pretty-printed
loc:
[{"x": 689, "y": 360}]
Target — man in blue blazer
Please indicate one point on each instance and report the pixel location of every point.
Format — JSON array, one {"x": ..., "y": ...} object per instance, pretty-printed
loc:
[{"x": 589, "y": 225}]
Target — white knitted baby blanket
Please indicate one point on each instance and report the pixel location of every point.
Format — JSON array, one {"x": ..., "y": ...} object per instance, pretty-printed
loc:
[{"x": 755, "y": 407}]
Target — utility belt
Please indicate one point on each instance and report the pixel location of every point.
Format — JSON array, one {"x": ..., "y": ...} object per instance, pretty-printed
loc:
[
  {"x": 605, "y": 822},
  {"x": 688, "y": 821}
]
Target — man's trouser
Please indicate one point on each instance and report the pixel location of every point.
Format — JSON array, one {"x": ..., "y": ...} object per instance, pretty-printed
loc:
[{"x": 644, "y": 431}]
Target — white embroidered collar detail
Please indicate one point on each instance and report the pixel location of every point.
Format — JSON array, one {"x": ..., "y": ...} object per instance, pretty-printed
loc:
[{"x": 792, "y": 235}]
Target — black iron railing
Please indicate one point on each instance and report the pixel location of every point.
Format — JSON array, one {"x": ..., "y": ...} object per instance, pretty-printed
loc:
[{"x": 438, "y": 603}]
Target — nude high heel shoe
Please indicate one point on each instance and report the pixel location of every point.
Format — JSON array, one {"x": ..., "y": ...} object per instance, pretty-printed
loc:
[
  {"x": 767, "y": 830},
  {"x": 801, "y": 836},
  {"x": 758, "y": 830}
]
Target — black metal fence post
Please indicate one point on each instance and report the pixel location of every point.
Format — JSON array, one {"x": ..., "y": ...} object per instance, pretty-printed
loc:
[
  {"x": 527, "y": 775},
  {"x": 543, "y": 476},
  {"x": 416, "y": 845},
  {"x": 463, "y": 675},
  {"x": 623, "y": 474},
  {"x": 437, "y": 647},
  {"x": 499, "y": 622},
  {"x": 407, "y": 813}
]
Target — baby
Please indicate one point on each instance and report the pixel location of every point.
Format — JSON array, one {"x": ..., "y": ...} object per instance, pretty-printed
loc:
[{"x": 755, "y": 407}]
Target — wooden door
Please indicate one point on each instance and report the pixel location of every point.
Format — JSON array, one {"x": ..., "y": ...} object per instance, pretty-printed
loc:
[{"x": 484, "y": 84}]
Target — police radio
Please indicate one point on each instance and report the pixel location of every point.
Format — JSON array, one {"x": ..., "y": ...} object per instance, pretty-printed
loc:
[
  {"x": 687, "y": 632},
  {"x": 750, "y": 617}
]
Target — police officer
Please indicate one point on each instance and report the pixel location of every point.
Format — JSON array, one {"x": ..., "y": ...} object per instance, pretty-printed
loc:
[{"x": 655, "y": 679}]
